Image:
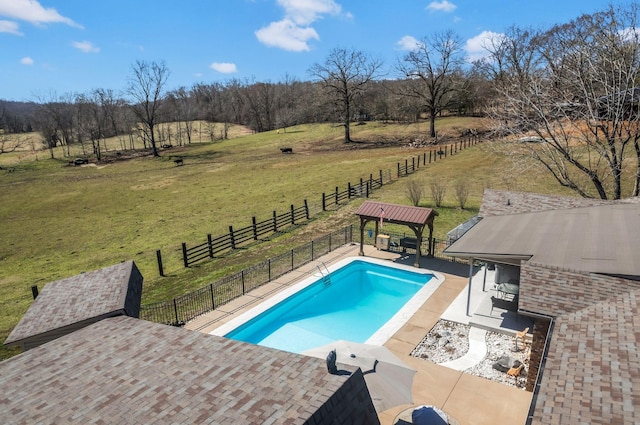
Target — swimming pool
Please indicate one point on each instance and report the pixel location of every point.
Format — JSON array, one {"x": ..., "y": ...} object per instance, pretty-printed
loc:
[{"x": 361, "y": 300}]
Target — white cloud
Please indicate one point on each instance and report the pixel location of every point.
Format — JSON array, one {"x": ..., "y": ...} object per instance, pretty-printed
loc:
[
  {"x": 441, "y": 6},
  {"x": 476, "y": 47},
  {"x": 33, "y": 12},
  {"x": 407, "y": 43},
  {"x": 85, "y": 46},
  {"x": 10, "y": 27},
  {"x": 26, "y": 60},
  {"x": 224, "y": 67},
  {"x": 287, "y": 35},
  {"x": 294, "y": 31},
  {"x": 305, "y": 12}
]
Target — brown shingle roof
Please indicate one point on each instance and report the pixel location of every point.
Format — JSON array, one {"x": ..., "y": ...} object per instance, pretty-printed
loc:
[
  {"x": 129, "y": 371},
  {"x": 396, "y": 213},
  {"x": 67, "y": 302},
  {"x": 592, "y": 372}
]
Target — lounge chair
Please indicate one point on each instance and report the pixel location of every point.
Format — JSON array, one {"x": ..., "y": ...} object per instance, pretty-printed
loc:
[{"x": 503, "y": 304}]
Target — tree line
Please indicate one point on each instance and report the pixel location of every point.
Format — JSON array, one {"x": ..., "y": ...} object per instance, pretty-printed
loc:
[{"x": 569, "y": 93}]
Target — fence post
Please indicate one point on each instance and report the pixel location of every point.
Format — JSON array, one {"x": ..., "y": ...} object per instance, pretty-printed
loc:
[
  {"x": 324, "y": 205},
  {"x": 406, "y": 167},
  {"x": 306, "y": 208},
  {"x": 413, "y": 164},
  {"x": 368, "y": 187},
  {"x": 184, "y": 255},
  {"x": 311, "y": 249},
  {"x": 349, "y": 190},
  {"x": 210, "y": 243},
  {"x": 424, "y": 158},
  {"x": 175, "y": 310},
  {"x": 380, "y": 177},
  {"x": 255, "y": 229},
  {"x": 293, "y": 216},
  {"x": 242, "y": 279},
  {"x": 213, "y": 302},
  {"x": 275, "y": 222},
  {"x": 159, "y": 257},
  {"x": 430, "y": 157},
  {"x": 232, "y": 238},
  {"x": 398, "y": 170},
  {"x": 269, "y": 265},
  {"x": 336, "y": 195},
  {"x": 292, "y": 263}
]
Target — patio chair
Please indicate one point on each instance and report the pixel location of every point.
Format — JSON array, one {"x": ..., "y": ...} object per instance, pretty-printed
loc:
[
  {"x": 521, "y": 335},
  {"x": 515, "y": 372}
]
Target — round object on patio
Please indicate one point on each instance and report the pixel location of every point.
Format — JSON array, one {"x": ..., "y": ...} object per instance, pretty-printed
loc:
[{"x": 424, "y": 415}]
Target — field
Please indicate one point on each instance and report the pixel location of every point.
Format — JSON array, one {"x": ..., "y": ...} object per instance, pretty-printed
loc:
[{"x": 60, "y": 220}]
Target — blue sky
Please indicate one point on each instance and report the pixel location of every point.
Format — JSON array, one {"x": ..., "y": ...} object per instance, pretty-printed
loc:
[{"x": 57, "y": 47}]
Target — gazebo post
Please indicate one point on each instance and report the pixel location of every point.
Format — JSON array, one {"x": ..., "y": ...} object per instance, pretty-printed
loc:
[
  {"x": 469, "y": 290},
  {"x": 484, "y": 278},
  {"x": 431, "y": 247},
  {"x": 362, "y": 224},
  {"x": 418, "y": 233}
]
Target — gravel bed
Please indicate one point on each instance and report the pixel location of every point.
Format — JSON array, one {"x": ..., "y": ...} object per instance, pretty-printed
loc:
[{"x": 449, "y": 340}]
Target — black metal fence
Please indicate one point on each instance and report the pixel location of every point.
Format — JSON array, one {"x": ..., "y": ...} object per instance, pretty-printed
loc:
[{"x": 189, "y": 306}]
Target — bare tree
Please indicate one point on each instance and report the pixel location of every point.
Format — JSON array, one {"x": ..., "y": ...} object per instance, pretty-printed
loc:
[
  {"x": 414, "y": 191},
  {"x": 345, "y": 75},
  {"x": 146, "y": 88},
  {"x": 573, "y": 87},
  {"x": 438, "y": 190},
  {"x": 431, "y": 67},
  {"x": 57, "y": 119},
  {"x": 462, "y": 193}
]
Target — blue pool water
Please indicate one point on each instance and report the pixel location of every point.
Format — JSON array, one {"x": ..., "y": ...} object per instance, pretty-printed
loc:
[{"x": 352, "y": 304}]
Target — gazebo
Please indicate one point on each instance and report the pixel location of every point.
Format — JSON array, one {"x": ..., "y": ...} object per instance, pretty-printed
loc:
[{"x": 416, "y": 218}]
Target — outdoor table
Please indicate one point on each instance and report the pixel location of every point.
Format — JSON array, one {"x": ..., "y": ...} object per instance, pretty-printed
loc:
[{"x": 509, "y": 288}]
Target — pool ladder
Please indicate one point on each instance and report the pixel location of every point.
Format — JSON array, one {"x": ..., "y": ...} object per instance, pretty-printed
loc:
[{"x": 326, "y": 278}]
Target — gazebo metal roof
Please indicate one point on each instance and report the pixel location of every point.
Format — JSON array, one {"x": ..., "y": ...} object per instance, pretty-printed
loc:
[
  {"x": 415, "y": 218},
  {"x": 396, "y": 214}
]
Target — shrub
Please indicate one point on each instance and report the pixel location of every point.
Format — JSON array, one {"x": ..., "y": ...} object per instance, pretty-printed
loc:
[
  {"x": 414, "y": 192},
  {"x": 438, "y": 189}
]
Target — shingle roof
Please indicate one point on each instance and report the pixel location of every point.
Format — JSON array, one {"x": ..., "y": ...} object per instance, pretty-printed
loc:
[
  {"x": 126, "y": 370},
  {"x": 396, "y": 213},
  {"x": 592, "y": 372},
  {"x": 108, "y": 291}
]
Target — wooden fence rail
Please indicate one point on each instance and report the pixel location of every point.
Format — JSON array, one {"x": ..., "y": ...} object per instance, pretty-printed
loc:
[{"x": 244, "y": 235}]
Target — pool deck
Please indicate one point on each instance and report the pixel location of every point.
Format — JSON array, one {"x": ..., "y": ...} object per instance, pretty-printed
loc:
[{"x": 471, "y": 400}]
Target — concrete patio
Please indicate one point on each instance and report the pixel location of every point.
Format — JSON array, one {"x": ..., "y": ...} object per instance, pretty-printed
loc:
[{"x": 471, "y": 400}]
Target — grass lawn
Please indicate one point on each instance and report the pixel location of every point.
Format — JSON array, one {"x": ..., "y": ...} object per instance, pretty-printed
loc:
[{"x": 59, "y": 220}]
